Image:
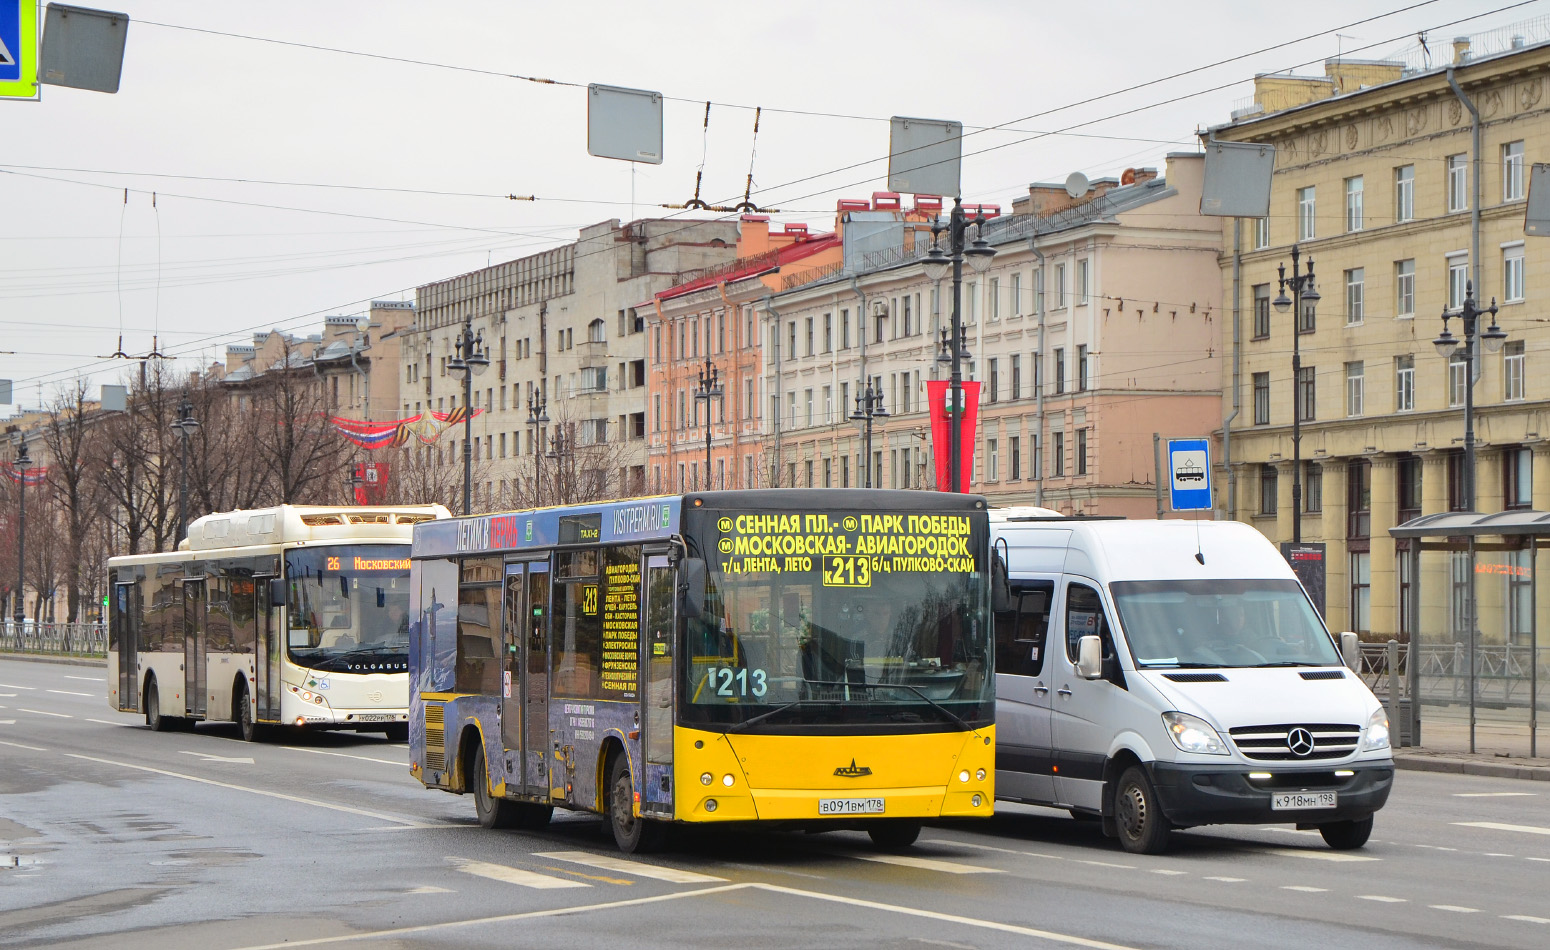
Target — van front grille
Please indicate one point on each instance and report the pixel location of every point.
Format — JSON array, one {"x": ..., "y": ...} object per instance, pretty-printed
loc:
[
  {"x": 1297, "y": 742},
  {"x": 435, "y": 738}
]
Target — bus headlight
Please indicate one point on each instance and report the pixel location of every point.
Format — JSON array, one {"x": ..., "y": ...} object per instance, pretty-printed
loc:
[
  {"x": 1193, "y": 734},
  {"x": 979, "y": 775},
  {"x": 976, "y": 801},
  {"x": 1377, "y": 730},
  {"x": 963, "y": 776},
  {"x": 728, "y": 780},
  {"x": 710, "y": 804},
  {"x": 707, "y": 778}
]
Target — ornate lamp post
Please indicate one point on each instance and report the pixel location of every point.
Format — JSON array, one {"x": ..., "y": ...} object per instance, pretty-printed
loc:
[
  {"x": 869, "y": 406},
  {"x": 469, "y": 360},
  {"x": 936, "y": 263},
  {"x": 1303, "y": 292},
  {"x": 537, "y": 418},
  {"x": 709, "y": 388},
  {"x": 1492, "y": 338},
  {"x": 560, "y": 449},
  {"x": 185, "y": 425},
  {"x": 22, "y": 461}
]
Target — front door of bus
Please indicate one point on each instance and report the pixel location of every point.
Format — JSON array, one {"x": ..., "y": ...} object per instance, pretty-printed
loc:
[
  {"x": 657, "y": 698},
  {"x": 534, "y": 688},
  {"x": 127, "y": 628},
  {"x": 270, "y": 640},
  {"x": 194, "y": 646},
  {"x": 511, "y": 660}
]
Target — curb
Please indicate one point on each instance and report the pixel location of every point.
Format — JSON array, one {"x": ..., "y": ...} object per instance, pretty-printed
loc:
[
  {"x": 61, "y": 660},
  {"x": 1468, "y": 767}
]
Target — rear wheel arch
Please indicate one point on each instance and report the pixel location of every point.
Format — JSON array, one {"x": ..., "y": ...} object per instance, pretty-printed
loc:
[
  {"x": 610, "y": 750},
  {"x": 469, "y": 741}
]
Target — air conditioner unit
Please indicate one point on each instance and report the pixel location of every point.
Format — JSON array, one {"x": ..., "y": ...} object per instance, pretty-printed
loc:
[{"x": 879, "y": 308}]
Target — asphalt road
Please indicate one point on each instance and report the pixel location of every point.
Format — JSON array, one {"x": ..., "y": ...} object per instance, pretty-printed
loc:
[{"x": 114, "y": 836}]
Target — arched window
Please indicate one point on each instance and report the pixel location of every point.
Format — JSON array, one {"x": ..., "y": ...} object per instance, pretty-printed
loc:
[{"x": 595, "y": 331}]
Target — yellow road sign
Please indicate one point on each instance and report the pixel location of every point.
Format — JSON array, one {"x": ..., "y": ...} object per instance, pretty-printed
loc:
[{"x": 18, "y": 49}]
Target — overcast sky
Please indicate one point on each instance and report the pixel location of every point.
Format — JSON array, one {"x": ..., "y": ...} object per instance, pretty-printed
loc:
[{"x": 213, "y": 261}]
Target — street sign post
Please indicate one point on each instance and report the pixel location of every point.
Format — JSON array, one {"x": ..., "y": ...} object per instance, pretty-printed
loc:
[
  {"x": 18, "y": 49},
  {"x": 1189, "y": 474}
]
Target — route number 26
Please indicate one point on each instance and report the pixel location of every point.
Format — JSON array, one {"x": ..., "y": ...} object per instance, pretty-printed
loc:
[{"x": 730, "y": 682}]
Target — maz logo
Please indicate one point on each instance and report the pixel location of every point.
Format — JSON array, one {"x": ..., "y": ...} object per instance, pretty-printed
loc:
[{"x": 852, "y": 770}]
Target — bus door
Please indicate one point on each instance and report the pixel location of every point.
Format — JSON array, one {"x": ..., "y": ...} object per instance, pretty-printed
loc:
[
  {"x": 511, "y": 659},
  {"x": 534, "y": 686},
  {"x": 657, "y": 660},
  {"x": 194, "y": 646},
  {"x": 127, "y": 628},
  {"x": 267, "y": 647}
]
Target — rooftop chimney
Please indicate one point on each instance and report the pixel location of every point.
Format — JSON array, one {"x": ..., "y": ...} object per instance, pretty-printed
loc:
[{"x": 1460, "y": 50}]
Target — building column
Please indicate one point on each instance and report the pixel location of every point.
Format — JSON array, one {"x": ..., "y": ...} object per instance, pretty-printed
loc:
[
  {"x": 1284, "y": 510},
  {"x": 1434, "y": 483},
  {"x": 1541, "y": 475},
  {"x": 1385, "y": 579},
  {"x": 1488, "y": 478}
]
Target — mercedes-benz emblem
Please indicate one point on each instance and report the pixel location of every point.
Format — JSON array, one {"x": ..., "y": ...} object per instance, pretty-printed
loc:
[{"x": 1300, "y": 741}]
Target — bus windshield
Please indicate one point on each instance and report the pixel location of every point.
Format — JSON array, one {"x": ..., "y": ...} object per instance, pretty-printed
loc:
[
  {"x": 348, "y": 607},
  {"x": 1221, "y": 623},
  {"x": 879, "y": 619}
]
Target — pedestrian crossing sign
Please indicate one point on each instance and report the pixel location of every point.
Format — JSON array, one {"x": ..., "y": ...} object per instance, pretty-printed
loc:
[{"x": 18, "y": 49}]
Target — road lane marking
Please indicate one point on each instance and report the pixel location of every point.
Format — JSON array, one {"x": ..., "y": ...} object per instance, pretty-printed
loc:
[
  {"x": 14, "y": 686},
  {"x": 109, "y": 722},
  {"x": 1227, "y": 880},
  {"x": 217, "y": 758},
  {"x": 517, "y": 876},
  {"x": 7, "y": 722},
  {"x": 608, "y": 863},
  {"x": 1498, "y": 854},
  {"x": 1494, "y": 794},
  {"x": 8, "y": 695},
  {"x": 1305, "y": 889},
  {"x": 18, "y": 745},
  {"x": 1167, "y": 871},
  {"x": 926, "y": 864},
  {"x": 71, "y": 692},
  {"x": 987, "y": 847},
  {"x": 1526, "y": 918},
  {"x": 1493, "y": 826},
  {"x": 1320, "y": 855},
  {"x": 1454, "y": 908},
  {"x": 91, "y": 679},
  {"x": 429, "y": 889},
  {"x": 345, "y": 755},
  {"x": 1382, "y": 899},
  {"x": 331, "y": 806},
  {"x": 40, "y": 712},
  {"x": 1536, "y": 859},
  {"x": 1106, "y": 864},
  {"x": 591, "y": 877}
]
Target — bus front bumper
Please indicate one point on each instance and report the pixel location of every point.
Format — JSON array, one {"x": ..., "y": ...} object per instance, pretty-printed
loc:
[{"x": 830, "y": 805}]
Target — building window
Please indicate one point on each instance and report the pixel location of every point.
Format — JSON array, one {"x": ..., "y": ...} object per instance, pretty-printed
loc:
[
  {"x": 1520, "y": 598},
  {"x": 1404, "y": 288},
  {"x": 844, "y": 329},
  {"x": 1457, "y": 378},
  {"x": 828, "y": 333},
  {"x": 1017, "y": 293},
  {"x": 1312, "y": 487},
  {"x": 1261, "y": 233},
  {"x": 1512, "y": 274},
  {"x": 1404, "y": 193},
  {"x": 995, "y": 302},
  {"x": 1358, "y": 498},
  {"x": 1017, "y": 376},
  {"x": 1261, "y": 311},
  {"x": 1014, "y": 458},
  {"x": 1404, "y": 383},
  {"x": 1035, "y": 456},
  {"x": 1268, "y": 489},
  {"x": 1059, "y": 446},
  {"x": 1355, "y": 280},
  {"x": 1353, "y": 203},
  {"x": 1361, "y": 592},
  {"x": 1083, "y": 281},
  {"x": 1408, "y": 478},
  {"x": 1305, "y": 214},
  {"x": 1355, "y": 387},
  {"x": 994, "y": 383},
  {"x": 1458, "y": 281},
  {"x": 992, "y": 461},
  {"x": 1456, "y": 500},
  {"x": 1306, "y": 391},
  {"x": 1518, "y": 478},
  {"x": 1060, "y": 370},
  {"x": 1512, "y": 171},
  {"x": 1512, "y": 370},
  {"x": 1262, "y": 399},
  {"x": 1458, "y": 183},
  {"x": 1081, "y": 451},
  {"x": 1060, "y": 286},
  {"x": 1081, "y": 368},
  {"x": 809, "y": 336}
]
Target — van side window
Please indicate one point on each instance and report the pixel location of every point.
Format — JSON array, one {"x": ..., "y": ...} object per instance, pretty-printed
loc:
[
  {"x": 1084, "y": 618},
  {"x": 1021, "y": 632}
]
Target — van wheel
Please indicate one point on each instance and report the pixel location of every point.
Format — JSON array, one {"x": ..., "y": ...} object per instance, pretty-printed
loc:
[
  {"x": 894, "y": 835},
  {"x": 633, "y": 835},
  {"x": 1143, "y": 828},
  {"x": 493, "y": 812},
  {"x": 1347, "y": 835}
]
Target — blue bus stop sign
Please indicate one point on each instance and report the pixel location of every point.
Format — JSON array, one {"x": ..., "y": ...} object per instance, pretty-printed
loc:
[{"x": 1189, "y": 474}]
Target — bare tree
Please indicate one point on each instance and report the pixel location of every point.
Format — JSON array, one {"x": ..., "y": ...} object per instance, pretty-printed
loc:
[{"x": 75, "y": 483}]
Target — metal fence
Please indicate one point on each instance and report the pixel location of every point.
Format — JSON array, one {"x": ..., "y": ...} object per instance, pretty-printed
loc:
[
  {"x": 1503, "y": 674},
  {"x": 61, "y": 639}
]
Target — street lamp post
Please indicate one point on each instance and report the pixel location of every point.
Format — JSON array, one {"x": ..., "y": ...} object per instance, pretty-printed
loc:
[
  {"x": 184, "y": 425},
  {"x": 22, "y": 461},
  {"x": 560, "y": 449},
  {"x": 979, "y": 254},
  {"x": 869, "y": 406},
  {"x": 537, "y": 417},
  {"x": 1492, "y": 338},
  {"x": 709, "y": 388},
  {"x": 1303, "y": 292},
  {"x": 469, "y": 360}
]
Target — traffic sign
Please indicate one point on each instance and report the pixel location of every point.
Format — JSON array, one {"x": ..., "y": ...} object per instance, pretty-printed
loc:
[
  {"x": 1189, "y": 471},
  {"x": 18, "y": 49}
]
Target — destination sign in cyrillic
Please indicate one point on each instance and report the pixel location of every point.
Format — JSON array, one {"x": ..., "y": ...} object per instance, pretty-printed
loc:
[{"x": 849, "y": 549}]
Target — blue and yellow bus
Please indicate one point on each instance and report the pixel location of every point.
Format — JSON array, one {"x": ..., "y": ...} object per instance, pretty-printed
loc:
[{"x": 802, "y": 658}]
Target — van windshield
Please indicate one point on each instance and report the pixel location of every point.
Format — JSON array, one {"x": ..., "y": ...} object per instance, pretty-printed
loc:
[{"x": 1221, "y": 623}]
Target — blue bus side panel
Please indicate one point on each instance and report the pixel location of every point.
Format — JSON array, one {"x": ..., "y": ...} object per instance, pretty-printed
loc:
[
  {"x": 636, "y": 521},
  {"x": 580, "y": 727}
]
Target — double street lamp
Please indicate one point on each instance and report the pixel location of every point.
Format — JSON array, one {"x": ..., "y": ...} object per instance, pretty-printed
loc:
[
  {"x": 1492, "y": 338},
  {"x": 22, "y": 461},
  {"x": 185, "y": 425},
  {"x": 469, "y": 360},
  {"x": 537, "y": 418},
  {"x": 1304, "y": 295},
  {"x": 709, "y": 388},
  {"x": 869, "y": 406},
  {"x": 979, "y": 255}
]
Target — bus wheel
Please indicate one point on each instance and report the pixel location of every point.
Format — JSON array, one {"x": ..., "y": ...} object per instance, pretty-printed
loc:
[
  {"x": 493, "y": 812},
  {"x": 153, "y": 717},
  {"x": 1143, "y": 828},
  {"x": 251, "y": 731},
  {"x": 894, "y": 835},
  {"x": 1347, "y": 835},
  {"x": 633, "y": 835}
]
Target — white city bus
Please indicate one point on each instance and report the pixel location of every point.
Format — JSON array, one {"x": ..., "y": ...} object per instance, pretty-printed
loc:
[{"x": 293, "y": 615}]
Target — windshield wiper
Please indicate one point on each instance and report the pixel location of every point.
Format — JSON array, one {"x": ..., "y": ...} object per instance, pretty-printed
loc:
[
  {"x": 929, "y": 701},
  {"x": 776, "y": 711},
  {"x": 1259, "y": 666}
]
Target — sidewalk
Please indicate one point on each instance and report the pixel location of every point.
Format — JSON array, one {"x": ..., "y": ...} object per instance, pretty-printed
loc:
[{"x": 1501, "y": 749}]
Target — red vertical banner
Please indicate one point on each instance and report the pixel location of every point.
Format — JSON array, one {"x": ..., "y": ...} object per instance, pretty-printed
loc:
[
  {"x": 370, "y": 482},
  {"x": 941, "y": 419}
]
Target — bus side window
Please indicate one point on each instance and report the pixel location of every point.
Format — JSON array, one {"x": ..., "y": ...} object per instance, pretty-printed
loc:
[{"x": 1021, "y": 632}]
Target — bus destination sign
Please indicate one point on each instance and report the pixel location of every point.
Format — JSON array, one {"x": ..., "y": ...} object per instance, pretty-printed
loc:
[{"x": 849, "y": 549}]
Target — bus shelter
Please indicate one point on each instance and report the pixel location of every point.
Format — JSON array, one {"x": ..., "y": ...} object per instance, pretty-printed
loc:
[{"x": 1469, "y": 609}]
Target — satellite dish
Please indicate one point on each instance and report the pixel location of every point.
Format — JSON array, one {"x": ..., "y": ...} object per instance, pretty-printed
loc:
[{"x": 1077, "y": 185}]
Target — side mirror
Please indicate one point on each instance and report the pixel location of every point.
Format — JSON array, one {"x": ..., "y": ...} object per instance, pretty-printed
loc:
[
  {"x": 277, "y": 592},
  {"x": 1351, "y": 650},
  {"x": 1000, "y": 587},
  {"x": 691, "y": 586},
  {"x": 1089, "y": 658}
]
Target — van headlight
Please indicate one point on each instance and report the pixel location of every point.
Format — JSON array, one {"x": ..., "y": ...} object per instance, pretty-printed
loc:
[
  {"x": 1377, "y": 731},
  {"x": 1193, "y": 734}
]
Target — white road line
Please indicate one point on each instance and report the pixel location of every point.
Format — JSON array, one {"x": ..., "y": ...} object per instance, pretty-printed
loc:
[
  {"x": 107, "y": 722},
  {"x": 40, "y": 712},
  {"x": 1454, "y": 908},
  {"x": 1526, "y": 918},
  {"x": 1500, "y": 826},
  {"x": 90, "y": 679},
  {"x": 331, "y": 806},
  {"x": 428, "y": 889},
  {"x": 1494, "y": 794},
  {"x": 14, "y": 686},
  {"x": 18, "y": 745},
  {"x": 345, "y": 755},
  {"x": 1169, "y": 871},
  {"x": 1304, "y": 888},
  {"x": 517, "y": 876},
  {"x": 1499, "y": 854},
  {"x": 1536, "y": 859},
  {"x": 217, "y": 758},
  {"x": 8, "y": 695},
  {"x": 1227, "y": 880},
  {"x": 71, "y": 692},
  {"x": 926, "y": 864},
  {"x": 623, "y": 866},
  {"x": 7, "y": 722},
  {"x": 1106, "y": 864},
  {"x": 1382, "y": 899},
  {"x": 986, "y": 847},
  {"x": 1320, "y": 855}
]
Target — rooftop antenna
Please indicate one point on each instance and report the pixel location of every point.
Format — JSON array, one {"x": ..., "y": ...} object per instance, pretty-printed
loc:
[{"x": 1425, "y": 50}]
